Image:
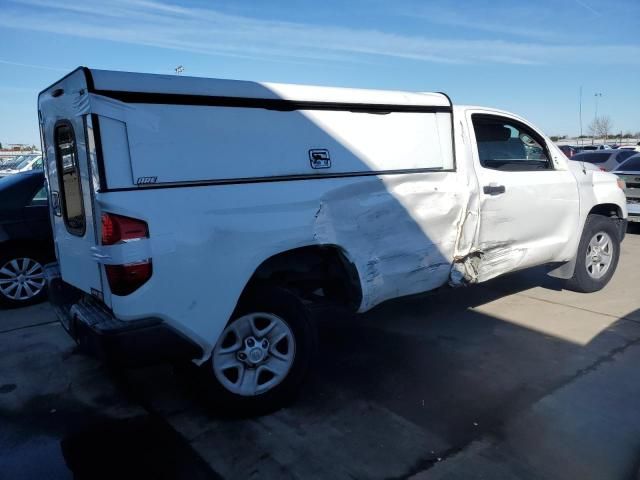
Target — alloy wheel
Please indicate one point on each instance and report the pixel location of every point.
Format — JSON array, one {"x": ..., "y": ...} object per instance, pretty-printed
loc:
[
  {"x": 599, "y": 255},
  {"x": 21, "y": 279}
]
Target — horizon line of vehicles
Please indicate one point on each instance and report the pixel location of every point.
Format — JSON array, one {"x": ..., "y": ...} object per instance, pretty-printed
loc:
[{"x": 21, "y": 163}]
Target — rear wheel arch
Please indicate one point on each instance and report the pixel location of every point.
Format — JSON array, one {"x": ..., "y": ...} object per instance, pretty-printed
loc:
[
  {"x": 309, "y": 271},
  {"x": 40, "y": 250}
]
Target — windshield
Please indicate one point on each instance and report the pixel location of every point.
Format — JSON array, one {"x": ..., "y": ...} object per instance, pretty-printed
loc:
[
  {"x": 624, "y": 154},
  {"x": 14, "y": 161},
  {"x": 24, "y": 163},
  {"x": 592, "y": 157},
  {"x": 631, "y": 165}
]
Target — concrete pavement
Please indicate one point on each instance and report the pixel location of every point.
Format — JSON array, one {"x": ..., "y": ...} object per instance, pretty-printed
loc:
[{"x": 516, "y": 378}]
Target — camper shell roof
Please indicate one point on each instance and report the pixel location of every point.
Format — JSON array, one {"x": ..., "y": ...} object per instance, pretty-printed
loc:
[{"x": 153, "y": 88}]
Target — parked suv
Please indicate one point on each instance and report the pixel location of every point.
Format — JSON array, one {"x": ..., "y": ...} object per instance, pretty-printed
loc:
[
  {"x": 605, "y": 160},
  {"x": 303, "y": 194},
  {"x": 629, "y": 172}
]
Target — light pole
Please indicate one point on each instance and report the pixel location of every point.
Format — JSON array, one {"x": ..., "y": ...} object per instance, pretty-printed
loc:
[
  {"x": 597, "y": 95},
  {"x": 595, "y": 117},
  {"x": 581, "y": 139}
]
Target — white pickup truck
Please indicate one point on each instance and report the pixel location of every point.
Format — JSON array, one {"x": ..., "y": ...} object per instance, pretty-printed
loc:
[{"x": 200, "y": 218}]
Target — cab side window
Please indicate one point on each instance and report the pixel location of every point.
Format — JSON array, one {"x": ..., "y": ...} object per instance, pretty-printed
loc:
[
  {"x": 507, "y": 145},
  {"x": 69, "y": 177}
]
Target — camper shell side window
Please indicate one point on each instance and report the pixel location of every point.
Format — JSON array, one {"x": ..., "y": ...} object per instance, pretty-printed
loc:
[{"x": 69, "y": 178}]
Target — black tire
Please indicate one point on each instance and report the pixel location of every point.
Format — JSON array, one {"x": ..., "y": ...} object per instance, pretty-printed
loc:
[
  {"x": 18, "y": 253},
  {"x": 581, "y": 280},
  {"x": 288, "y": 307}
]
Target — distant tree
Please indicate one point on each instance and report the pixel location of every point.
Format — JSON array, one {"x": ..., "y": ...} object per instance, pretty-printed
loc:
[
  {"x": 0, "y": 145},
  {"x": 592, "y": 128},
  {"x": 627, "y": 135},
  {"x": 554, "y": 138},
  {"x": 600, "y": 127}
]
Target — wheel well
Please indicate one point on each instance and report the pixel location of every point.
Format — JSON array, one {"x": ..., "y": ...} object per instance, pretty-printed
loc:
[
  {"x": 607, "y": 210},
  {"x": 43, "y": 251},
  {"x": 316, "y": 273},
  {"x": 613, "y": 211}
]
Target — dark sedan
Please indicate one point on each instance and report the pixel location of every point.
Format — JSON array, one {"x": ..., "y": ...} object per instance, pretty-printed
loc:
[
  {"x": 26, "y": 241},
  {"x": 606, "y": 160}
]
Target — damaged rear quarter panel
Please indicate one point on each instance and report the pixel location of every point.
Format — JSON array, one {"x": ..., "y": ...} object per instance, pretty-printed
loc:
[{"x": 398, "y": 230}]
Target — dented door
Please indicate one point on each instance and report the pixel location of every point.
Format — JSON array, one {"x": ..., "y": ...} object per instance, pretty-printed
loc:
[{"x": 529, "y": 204}]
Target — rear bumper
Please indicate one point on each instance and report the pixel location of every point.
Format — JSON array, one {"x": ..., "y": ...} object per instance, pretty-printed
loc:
[{"x": 99, "y": 333}]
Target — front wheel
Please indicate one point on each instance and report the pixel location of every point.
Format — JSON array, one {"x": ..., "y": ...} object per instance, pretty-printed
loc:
[
  {"x": 598, "y": 255},
  {"x": 263, "y": 354}
]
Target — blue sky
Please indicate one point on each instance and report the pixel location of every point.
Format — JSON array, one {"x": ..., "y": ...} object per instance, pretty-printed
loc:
[{"x": 527, "y": 57}]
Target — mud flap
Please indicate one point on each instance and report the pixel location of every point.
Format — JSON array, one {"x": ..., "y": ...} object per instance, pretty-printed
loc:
[{"x": 564, "y": 271}]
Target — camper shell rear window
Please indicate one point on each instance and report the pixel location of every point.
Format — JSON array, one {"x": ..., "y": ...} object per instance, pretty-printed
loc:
[{"x": 69, "y": 179}]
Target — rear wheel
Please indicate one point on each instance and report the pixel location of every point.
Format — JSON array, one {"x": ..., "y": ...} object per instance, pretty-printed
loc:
[
  {"x": 598, "y": 255},
  {"x": 263, "y": 354},
  {"x": 22, "y": 280}
]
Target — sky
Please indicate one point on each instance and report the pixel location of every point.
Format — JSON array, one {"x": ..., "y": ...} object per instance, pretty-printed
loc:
[{"x": 531, "y": 58}]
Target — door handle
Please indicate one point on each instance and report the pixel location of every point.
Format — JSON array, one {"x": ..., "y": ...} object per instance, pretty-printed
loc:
[
  {"x": 494, "y": 189},
  {"x": 55, "y": 203}
]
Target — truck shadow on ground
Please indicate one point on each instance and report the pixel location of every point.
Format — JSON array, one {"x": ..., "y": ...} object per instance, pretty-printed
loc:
[
  {"x": 414, "y": 380},
  {"x": 394, "y": 390}
]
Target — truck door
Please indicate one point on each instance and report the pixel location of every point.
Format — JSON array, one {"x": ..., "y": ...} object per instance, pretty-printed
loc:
[
  {"x": 529, "y": 201},
  {"x": 71, "y": 204}
]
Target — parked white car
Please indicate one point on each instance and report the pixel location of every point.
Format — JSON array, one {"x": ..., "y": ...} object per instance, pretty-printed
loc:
[
  {"x": 24, "y": 163},
  {"x": 304, "y": 194}
]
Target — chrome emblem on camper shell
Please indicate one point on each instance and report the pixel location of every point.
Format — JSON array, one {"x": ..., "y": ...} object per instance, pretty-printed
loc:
[
  {"x": 319, "y": 158},
  {"x": 146, "y": 180}
]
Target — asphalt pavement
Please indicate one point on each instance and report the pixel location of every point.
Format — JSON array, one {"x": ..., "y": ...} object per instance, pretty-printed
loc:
[{"x": 515, "y": 378}]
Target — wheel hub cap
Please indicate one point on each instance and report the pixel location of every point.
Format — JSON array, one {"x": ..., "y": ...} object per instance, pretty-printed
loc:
[
  {"x": 599, "y": 255},
  {"x": 254, "y": 354},
  {"x": 254, "y": 351}
]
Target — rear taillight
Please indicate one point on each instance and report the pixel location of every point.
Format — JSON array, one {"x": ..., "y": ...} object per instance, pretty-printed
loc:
[
  {"x": 117, "y": 228},
  {"x": 125, "y": 279}
]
